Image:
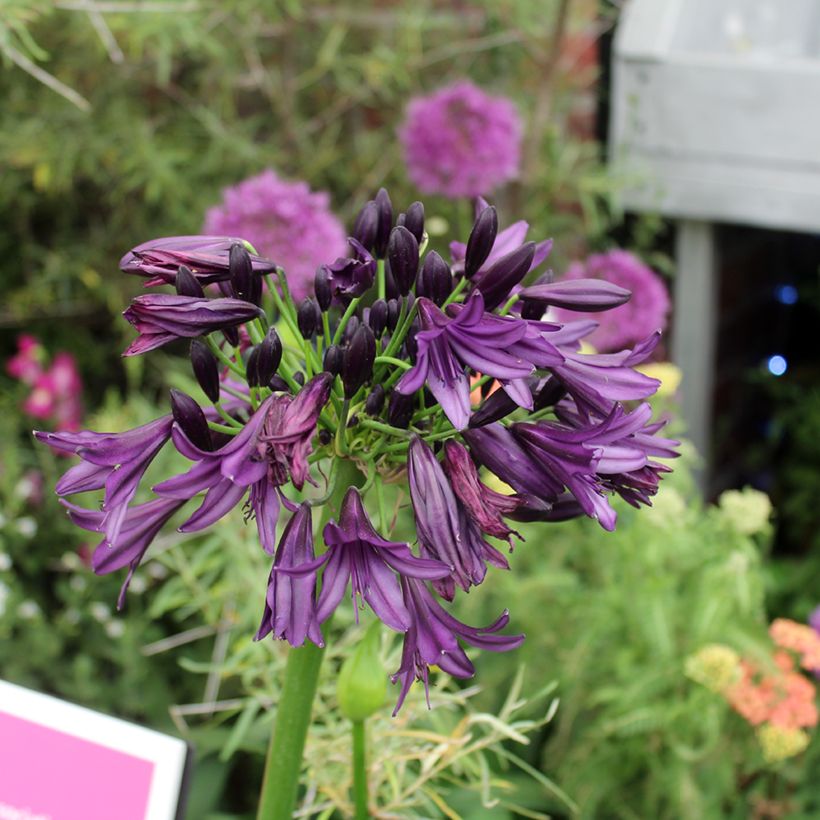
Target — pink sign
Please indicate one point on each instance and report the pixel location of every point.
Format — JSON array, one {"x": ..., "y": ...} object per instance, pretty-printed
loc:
[{"x": 59, "y": 761}]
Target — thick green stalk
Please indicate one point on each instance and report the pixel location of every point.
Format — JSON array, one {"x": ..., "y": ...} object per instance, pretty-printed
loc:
[
  {"x": 280, "y": 783},
  {"x": 359, "y": 770}
]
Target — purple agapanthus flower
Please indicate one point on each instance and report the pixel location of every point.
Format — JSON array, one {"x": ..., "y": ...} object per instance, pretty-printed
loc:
[
  {"x": 290, "y": 602},
  {"x": 359, "y": 555},
  {"x": 115, "y": 462},
  {"x": 350, "y": 276},
  {"x": 460, "y": 141},
  {"x": 163, "y": 317},
  {"x": 138, "y": 528},
  {"x": 644, "y": 314},
  {"x": 283, "y": 220},
  {"x": 205, "y": 256},
  {"x": 433, "y": 640},
  {"x": 504, "y": 348},
  {"x": 446, "y": 529}
]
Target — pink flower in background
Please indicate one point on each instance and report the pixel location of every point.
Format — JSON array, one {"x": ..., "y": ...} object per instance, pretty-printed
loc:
[
  {"x": 624, "y": 326},
  {"x": 283, "y": 220},
  {"x": 55, "y": 391},
  {"x": 460, "y": 141}
]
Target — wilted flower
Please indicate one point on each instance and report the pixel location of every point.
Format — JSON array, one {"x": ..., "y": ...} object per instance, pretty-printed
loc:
[
  {"x": 626, "y": 325},
  {"x": 460, "y": 141},
  {"x": 283, "y": 220}
]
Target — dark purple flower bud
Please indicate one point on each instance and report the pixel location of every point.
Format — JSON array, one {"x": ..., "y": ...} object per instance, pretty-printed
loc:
[
  {"x": 308, "y": 317},
  {"x": 400, "y": 409},
  {"x": 533, "y": 309},
  {"x": 403, "y": 258},
  {"x": 241, "y": 270},
  {"x": 414, "y": 220},
  {"x": 322, "y": 289},
  {"x": 377, "y": 318},
  {"x": 205, "y": 256},
  {"x": 278, "y": 385},
  {"x": 435, "y": 280},
  {"x": 392, "y": 314},
  {"x": 357, "y": 362},
  {"x": 252, "y": 367},
  {"x": 206, "y": 369},
  {"x": 548, "y": 394},
  {"x": 186, "y": 284},
  {"x": 411, "y": 345},
  {"x": 495, "y": 407},
  {"x": 325, "y": 437},
  {"x": 191, "y": 420},
  {"x": 333, "y": 360},
  {"x": 162, "y": 317},
  {"x": 352, "y": 421},
  {"x": 375, "y": 401},
  {"x": 385, "y": 222},
  {"x": 299, "y": 378},
  {"x": 497, "y": 280},
  {"x": 585, "y": 295},
  {"x": 269, "y": 356},
  {"x": 231, "y": 335},
  {"x": 350, "y": 329},
  {"x": 480, "y": 243},
  {"x": 366, "y": 225}
]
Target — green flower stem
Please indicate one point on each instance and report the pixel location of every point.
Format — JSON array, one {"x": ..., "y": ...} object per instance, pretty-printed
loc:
[
  {"x": 384, "y": 428},
  {"x": 510, "y": 302},
  {"x": 359, "y": 770},
  {"x": 280, "y": 783},
  {"x": 326, "y": 327},
  {"x": 456, "y": 292},
  {"x": 351, "y": 309},
  {"x": 223, "y": 428},
  {"x": 230, "y": 420},
  {"x": 392, "y": 360},
  {"x": 223, "y": 357},
  {"x": 380, "y": 279}
]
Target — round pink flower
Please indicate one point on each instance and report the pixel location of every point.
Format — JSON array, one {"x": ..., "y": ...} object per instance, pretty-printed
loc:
[
  {"x": 284, "y": 221},
  {"x": 628, "y": 324},
  {"x": 460, "y": 141}
]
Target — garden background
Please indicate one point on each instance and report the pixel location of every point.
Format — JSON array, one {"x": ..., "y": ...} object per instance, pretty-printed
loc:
[{"x": 124, "y": 121}]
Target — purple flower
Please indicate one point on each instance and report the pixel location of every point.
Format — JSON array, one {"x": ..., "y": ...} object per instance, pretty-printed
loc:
[
  {"x": 284, "y": 220},
  {"x": 351, "y": 276},
  {"x": 163, "y": 317},
  {"x": 504, "y": 348},
  {"x": 138, "y": 528},
  {"x": 460, "y": 141},
  {"x": 485, "y": 506},
  {"x": 643, "y": 315},
  {"x": 206, "y": 256},
  {"x": 113, "y": 461},
  {"x": 433, "y": 640},
  {"x": 814, "y": 619},
  {"x": 445, "y": 528},
  {"x": 290, "y": 603},
  {"x": 357, "y": 553}
]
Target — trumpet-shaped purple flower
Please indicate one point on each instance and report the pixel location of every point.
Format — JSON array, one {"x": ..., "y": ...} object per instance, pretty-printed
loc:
[
  {"x": 358, "y": 554},
  {"x": 433, "y": 640},
  {"x": 205, "y": 256},
  {"x": 506, "y": 349},
  {"x": 115, "y": 462},
  {"x": 138, "y": 529},
  {"x": 446, "y": 531},
  {"x": 290, "y": 602},
  {"x": 163, "y": 317}
]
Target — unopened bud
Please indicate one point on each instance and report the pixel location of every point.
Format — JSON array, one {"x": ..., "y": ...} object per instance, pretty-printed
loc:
[
  {"x": 252, "y": 367},
  {"x": 385, "y": 222},
  {"x": 414, "y": 220},
  {"x": 307, "y": 317},
  {"x": 548, "y": 394},
  {"x": 366, "y": 225},
  {"x": 187, "y": 284},
  {"x": 481, "y": 241},
  {"x": 361, "y": 687},
  {"x": 357, "y": 362},
  {"x": 278, "y": 385},
  {"x": 325, "y": 437},
  {"x": 411, "y": 345},
  {"x": 375, "y": 401},
  {"x": 241, "y": 270},
  {"x": 498, "y": 279},
  {"x": 333, "y": 360},
  {"x": 403, "y": 256},
  {"x": 392, "y": 314},
  {"x": 350, "y": 329},
  {"x": 321, "y": 287},
  {"x": 299, "y": 378},
  {"x": 231, "y": 335},
  {"x": 377, "y": 318},
  {"x": 269, "y": 357},
  {"x": 206, "y": 369},
  {"x": 435, "y": 279},
  {"x": 191, "y": 420},
  {"x": 400, "y": 409}
]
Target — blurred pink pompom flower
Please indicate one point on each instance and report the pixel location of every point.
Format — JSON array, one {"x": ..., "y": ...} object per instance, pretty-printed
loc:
[
  {"x": 55, "y": 391},
  {"x": 646, "y": 312},
  {"x": 283, "y": 220},
  {"x": 460, "y": 141}
]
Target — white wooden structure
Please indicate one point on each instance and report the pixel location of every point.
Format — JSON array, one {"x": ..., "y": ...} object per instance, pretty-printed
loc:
[{"x": 716, "y": 118}]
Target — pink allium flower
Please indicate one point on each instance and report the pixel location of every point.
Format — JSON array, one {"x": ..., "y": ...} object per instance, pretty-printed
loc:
[
  {"x": 26, "y": 365},
  {"x": 460, "y": 141},
  {"x": 624, "y": 326},
  {"x": 283, "y": 220}
]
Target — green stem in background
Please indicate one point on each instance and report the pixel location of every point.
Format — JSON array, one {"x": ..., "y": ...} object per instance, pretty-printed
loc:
[
  {"x": 380, "y": 280},
  {"x": 351, "y": 309},
  {"x": 280, "y": 783},
  {"x": 360, "y": 770},
  {"x": 456, "y": 292}
]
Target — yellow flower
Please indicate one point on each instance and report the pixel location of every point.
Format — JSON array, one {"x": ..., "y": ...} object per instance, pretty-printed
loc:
[
  {"x": 747, "y": 510},
  {"x": 668, "y": 374},
  {"x": 714, "y": 666},
  {"x": 778, "y": 743}
]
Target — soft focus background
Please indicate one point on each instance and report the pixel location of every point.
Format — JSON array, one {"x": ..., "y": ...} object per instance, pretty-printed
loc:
[{"x": 649, "y": 685}]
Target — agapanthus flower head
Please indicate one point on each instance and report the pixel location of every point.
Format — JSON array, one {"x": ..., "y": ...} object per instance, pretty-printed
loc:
[
  {"x": 646, "y": 312},
  {"x": 461, "y": 141},
  {"x": 283, "y": 220},
  {"x": 403, "y": 367}
]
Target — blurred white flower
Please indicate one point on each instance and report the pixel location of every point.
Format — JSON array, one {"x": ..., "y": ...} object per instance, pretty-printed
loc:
[
  {"x": 27, "y": 526},
  {"x": 747, "y": 511},
  {"x": 100, "y": 611},
  {"x": 115, "y": 629},
  {"x": 5, "y": 562},
  {"x": 28, "y": 609}
]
